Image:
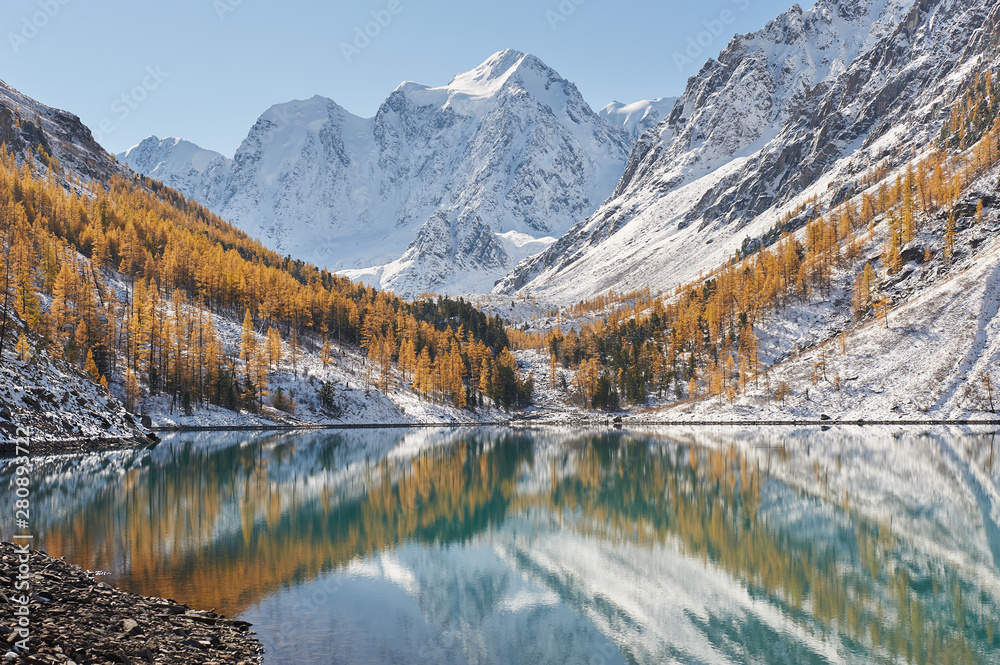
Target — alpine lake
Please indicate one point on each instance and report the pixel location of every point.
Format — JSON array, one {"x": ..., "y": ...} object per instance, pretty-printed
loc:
[{"x": 772, "y": 545}]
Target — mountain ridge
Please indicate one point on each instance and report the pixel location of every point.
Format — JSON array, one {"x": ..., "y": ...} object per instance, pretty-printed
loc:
[
  {"x": 757, "y": 132},
  {"x": 27, "y": 125},
  {"x": 419, "y": 197}
]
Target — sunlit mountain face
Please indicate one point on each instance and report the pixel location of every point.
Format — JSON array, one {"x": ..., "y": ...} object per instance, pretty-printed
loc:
[{"x": 498, "y": 545}]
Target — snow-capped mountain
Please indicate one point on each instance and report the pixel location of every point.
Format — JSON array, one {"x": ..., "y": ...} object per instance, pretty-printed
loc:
[
  {"x": 805, "y": 104},
  {"x": 445, "y": 189},
  {"x": 26, "y": 124},
  {"x": 176, "y": 163},
  {"x": 639, "y": 116}
]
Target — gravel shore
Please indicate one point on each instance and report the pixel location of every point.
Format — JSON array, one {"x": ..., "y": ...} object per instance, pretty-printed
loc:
[{"x": 74, "y": 618}]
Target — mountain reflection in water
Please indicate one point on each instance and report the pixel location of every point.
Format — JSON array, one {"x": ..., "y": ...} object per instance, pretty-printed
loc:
[{"x": 498, "y": 545}]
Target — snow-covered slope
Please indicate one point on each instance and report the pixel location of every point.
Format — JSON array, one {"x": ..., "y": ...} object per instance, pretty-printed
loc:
[
  {"x": 930, "y": 357},
  {"x": 176, "y": 163},
  {"x": 54, "y": 399},
  {"x": 783, "y": 113},
  {"x": 418, "y": 197},
  {"x": 639, "y": 116},
  {"x": 58, "y": 404}
]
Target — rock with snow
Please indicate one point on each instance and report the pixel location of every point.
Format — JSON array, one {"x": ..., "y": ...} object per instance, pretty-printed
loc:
[
  {"x": 27, "y": 125},
  {"x": 800, "y": 107}
]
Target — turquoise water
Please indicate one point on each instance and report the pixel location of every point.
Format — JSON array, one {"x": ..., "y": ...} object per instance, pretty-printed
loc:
[{"x": 775, "y": 545}]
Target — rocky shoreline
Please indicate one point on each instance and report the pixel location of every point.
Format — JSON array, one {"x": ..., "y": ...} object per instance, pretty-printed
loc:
[
  {"x": 72, "y": 445},
  {"x": 74, "y": 618}
]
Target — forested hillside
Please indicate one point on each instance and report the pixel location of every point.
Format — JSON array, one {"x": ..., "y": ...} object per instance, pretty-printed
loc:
[
  {"x": 847, "y": 262},
  {"x": 126, "y": 283}
]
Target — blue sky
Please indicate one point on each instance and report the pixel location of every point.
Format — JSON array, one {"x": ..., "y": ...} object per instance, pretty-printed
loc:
[{"x": 206, "y": 69}]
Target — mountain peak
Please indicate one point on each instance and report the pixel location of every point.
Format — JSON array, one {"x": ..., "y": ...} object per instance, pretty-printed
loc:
[
  {"x": 419, "y": 197},
  {"x": 411, "y": 86},
  {"x": 783, "y": 112},
  {"x": 502, "y": 62},
  {"x": 155, "y": 141},
  {"x": 316, "y": 107},
  {"x": 155, "y": 157},
  {"x": 638, "y": 117},
  {"x": 491, "y": 75},
  {"x": 152, "y": 139}
]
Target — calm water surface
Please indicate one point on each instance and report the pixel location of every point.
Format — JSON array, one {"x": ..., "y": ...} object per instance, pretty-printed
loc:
[{"x": 555, "y": 546}]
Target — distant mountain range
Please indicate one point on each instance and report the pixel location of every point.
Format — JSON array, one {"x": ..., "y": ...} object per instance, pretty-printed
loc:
[
  {"x": 445, "y": 189},
  {"x": 506, "y": 176}
]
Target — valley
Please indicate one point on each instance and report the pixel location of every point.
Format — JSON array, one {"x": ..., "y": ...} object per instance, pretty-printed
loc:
[
  {"x": 762, "y": 319},
  {"x": 490, "y": 374}
]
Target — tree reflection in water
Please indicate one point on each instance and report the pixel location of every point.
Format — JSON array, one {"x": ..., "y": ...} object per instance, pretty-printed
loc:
[{"x": 224, "y": 523}]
